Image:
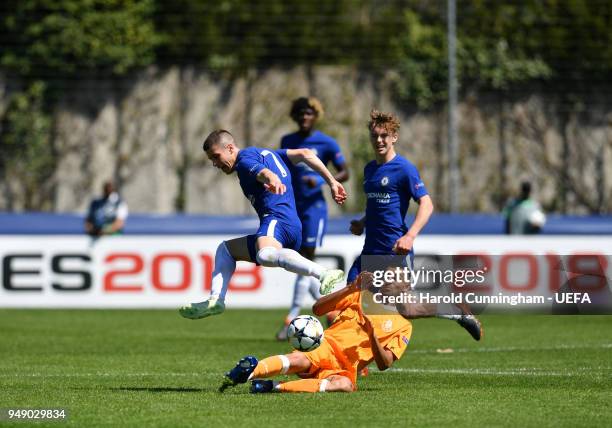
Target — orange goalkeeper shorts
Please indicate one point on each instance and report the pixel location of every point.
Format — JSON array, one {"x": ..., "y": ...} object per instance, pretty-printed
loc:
[{"x": 329, "y": 360}]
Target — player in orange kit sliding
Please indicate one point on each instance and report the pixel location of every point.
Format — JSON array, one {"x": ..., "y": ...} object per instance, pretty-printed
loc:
[{"x": 352, "y": 342}]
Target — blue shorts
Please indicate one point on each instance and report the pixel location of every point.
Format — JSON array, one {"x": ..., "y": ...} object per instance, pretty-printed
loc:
[
  {"x": 289, "y": 235},
  {"x": 314, "y": 224},
  {"x": 378, "y": 261}
]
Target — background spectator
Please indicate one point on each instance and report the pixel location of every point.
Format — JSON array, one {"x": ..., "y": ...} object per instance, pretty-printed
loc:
[
  {"x": 106, "y": 215},
  {"x": 523, "y": 215}
]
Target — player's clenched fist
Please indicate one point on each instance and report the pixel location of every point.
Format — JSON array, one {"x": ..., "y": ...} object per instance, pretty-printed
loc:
[
  {"x": 365, "y": 280},
  {"x": 403, "y": 245}
]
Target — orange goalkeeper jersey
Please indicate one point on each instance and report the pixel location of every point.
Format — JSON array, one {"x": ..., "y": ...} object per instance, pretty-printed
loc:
[{"x": 348, "y": 337}]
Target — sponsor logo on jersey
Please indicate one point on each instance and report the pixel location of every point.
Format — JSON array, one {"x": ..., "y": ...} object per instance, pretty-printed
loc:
[
  {"x": 387, "y": 326},
  {"x": 381, "y": 197},
  {"x": 384, "y": 181}
]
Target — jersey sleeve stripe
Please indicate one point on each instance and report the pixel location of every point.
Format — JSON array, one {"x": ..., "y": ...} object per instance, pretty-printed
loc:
[{"x": 275, "y": 159}]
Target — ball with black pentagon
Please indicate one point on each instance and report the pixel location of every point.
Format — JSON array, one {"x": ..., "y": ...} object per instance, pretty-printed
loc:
[{"x": 305, "y": 333}]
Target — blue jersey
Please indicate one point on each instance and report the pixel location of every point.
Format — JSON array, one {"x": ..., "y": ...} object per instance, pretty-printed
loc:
[
  {"x": 104, "y": 211},
  {"x": 389, "y": 188},
  {"x": 249, "y": 163},
  {"x": 326, "y": 149}
]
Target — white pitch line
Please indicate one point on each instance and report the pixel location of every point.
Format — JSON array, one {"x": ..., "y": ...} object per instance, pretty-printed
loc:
[
  {"x": 517, "y": 348},
  {"x": 522, "y": 371},
  {"x": 121, "y": 374},
  {"x": 525, "y": 371},
  {"x": 511, "y": 372}
]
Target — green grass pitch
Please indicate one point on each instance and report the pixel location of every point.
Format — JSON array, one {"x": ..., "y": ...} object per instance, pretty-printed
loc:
[{"x": 153, "y": 368}]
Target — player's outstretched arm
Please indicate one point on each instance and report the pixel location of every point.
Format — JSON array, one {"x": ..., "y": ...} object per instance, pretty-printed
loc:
[
  {"x": 271, "y": 182},
  {"x": 309, "y": 158},
  {"x": 383, "y": 357},
  {"x": 330, "y": 301}
]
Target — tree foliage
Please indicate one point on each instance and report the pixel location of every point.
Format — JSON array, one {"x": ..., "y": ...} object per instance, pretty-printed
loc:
[
  {"x": 47, "y": 38},
  {"x": 500, "y": 43},
  {"x": 26, "y": 154},
  {"x": 501, "y": 46},
  {"x": 238, "y": 33},
  {"x": 421, "y": 61},
  {"x": 572, "y": 37}
]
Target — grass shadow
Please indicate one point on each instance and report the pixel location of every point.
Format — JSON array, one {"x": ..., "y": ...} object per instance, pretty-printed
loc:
[{"x": 161, "y": 389}]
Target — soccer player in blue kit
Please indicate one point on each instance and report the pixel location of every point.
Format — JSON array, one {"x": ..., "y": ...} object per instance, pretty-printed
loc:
[
  {"x": 266, "y": 181},
  {"x": 309, "y": 200},
  {"x": 390, "y": 182}
]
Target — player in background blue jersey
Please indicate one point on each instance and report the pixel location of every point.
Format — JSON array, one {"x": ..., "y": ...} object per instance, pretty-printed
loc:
[
  {"x": 266, "y": 181},
  {"x": 390, "y": 182},
  {"x": 310, "y": 202}
]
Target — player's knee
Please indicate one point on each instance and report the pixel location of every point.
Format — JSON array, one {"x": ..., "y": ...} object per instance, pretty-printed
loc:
[
  {"x": 223, "y": 256},
  {"x": 223, "y": 250},
  {"x": 287, "y": 257},
  {"x": 298, "y": 362},
  {"x": 268, "y": 256},
  {"x": 339, "y": 384}
]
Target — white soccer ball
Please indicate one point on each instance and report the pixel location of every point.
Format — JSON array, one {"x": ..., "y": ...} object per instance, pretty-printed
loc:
[{"x": 305, "y": 333}]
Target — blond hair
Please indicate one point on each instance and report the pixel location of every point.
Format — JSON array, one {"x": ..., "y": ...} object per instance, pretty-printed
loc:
[{"x": 306, "y": 102}]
